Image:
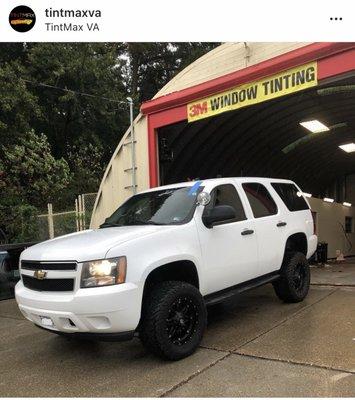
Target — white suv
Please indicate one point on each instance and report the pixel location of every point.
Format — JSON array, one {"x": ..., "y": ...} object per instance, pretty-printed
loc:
[{"x": 166, "y": 253}]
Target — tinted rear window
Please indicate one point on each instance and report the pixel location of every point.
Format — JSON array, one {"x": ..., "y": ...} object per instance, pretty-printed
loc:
[
  {"x": 291, "y": 196},
  {"x": 260, "y": 199}
]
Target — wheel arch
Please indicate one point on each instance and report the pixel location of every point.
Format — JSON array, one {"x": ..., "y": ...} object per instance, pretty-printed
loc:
[
  {"x": 297, "y": 242},
  {"x": 184, "y": 270}
]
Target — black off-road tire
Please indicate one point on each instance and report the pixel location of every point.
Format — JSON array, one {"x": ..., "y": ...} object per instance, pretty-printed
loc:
[
  {"x": 293, "y": 285},
  {"x": 173, "y": 320}
]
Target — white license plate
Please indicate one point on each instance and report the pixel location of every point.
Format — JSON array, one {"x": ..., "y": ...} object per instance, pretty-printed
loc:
[{"x": 46, "y": 321}]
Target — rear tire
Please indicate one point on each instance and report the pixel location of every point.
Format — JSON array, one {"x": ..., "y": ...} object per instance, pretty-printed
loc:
[
  {"x": 173, "y": 320},
  {"x": 293, "y": 285}
]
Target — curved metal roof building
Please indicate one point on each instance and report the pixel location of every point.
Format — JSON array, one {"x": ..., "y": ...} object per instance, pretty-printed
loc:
[{"x": 180, "y": 134}]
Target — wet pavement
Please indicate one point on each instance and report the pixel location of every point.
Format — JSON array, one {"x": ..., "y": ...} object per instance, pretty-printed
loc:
[
  {"x": 334, "y": 274},
  {"x": 255, "y": 345}
]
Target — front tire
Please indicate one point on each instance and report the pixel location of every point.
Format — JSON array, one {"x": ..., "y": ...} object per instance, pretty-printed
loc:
[
  {"x": 173, "y": 320},
  {"x": 293, "y": 285}
]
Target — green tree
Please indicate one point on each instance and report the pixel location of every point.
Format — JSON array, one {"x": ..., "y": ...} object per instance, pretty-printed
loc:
[
  {"x": 150, "y": 66},
  {"x": 85, "y": 160},
  {"x": 95, "y": 78},
  {"x": 18, "y": 106},
  {"x": 70, "y": 118},
  {"x": 29, "y": 178},
  {"x": 73, "y": 93}
]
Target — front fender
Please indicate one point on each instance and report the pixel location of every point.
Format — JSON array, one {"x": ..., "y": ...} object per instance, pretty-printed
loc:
[
  {"x": 170, "y": 259},
  {"x": 170, "y": 244}
]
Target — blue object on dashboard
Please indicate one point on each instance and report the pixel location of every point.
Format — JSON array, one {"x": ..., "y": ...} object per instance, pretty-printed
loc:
[{"x": 194, "y": 188}]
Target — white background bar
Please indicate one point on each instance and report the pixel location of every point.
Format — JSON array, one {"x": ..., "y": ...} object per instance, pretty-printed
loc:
[{"x": 189, "y": 20}]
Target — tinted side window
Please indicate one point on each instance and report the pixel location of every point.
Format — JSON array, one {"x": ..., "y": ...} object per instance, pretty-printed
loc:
[
  {"x": 288, "y": 193},
  {"x": 261, "y": 202},
  {"x": 227, "y": 195}
]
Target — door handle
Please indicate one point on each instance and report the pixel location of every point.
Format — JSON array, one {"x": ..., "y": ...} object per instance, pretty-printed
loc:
[
  {"x": 247, "y": 232},
  {"x": 279, "y": 224}
]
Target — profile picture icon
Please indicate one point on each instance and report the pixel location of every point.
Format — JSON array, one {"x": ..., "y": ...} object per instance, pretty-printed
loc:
[{"x": 22, "y": 19}]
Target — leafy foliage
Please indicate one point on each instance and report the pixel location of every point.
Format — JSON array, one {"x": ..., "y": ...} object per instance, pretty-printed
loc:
[
  {"x": 70, "y": 118},
  {"x": 85, "y": 160},
  {"x": 31, "y": 172},
  {"x": 63, "y": 108},
  {"x": 30, "y": 177},
  {"x": 150, "y": 66},
  {"x": 18, "y": 106}
]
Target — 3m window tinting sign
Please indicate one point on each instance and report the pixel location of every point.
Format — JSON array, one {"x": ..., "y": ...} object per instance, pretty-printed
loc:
[
  {"x": 260, "y": 200},
  {"x": 271, "y": 87},
  {"x": 291, "y": 196}
]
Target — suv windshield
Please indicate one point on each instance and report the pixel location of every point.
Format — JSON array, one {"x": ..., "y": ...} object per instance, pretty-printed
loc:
[{"x": 160, "y": 207}]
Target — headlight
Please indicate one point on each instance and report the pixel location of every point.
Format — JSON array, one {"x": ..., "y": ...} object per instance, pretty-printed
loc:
[{"x": 103, "y": 272}]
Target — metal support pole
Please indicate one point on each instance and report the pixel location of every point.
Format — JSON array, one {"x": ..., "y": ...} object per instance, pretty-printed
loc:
[
  {"x": 77, "y": 215},
  {"x": 81, "y": 203},
  {"x": 133, "y": 147},
  {"x": 80, "y": 213},
  {"x": 83, "y": 209},
  {"x": 50, "y": 221}
]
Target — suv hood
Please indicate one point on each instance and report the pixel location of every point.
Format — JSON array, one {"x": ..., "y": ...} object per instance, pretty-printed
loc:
[{"x": 86, "y": 245}]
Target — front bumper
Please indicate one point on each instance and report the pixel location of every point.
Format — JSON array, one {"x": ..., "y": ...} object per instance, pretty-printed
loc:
[
  {"x": 110, "y": 309},
  {"x": 101, "y": 337}
]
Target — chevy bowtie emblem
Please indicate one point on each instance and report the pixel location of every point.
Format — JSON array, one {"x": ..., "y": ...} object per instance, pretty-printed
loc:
[{"x": 39, "y": 274}]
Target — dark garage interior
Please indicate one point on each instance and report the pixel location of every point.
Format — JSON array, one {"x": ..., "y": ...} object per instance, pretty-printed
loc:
[{"x": 267, "y": 140}]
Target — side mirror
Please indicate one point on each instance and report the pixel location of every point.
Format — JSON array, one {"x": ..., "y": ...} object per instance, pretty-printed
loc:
[
  {"x": 218, "y": 214},
  {"x": 203, "y": 199}
]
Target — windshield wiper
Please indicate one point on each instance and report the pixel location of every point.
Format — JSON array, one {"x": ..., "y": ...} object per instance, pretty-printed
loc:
[
  {"x": 139, "y": 222},
  {"x": 108, "y": 225},
  {"x": 134, "y": 222}
]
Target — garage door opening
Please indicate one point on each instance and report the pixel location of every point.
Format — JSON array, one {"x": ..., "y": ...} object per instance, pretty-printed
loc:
[{"x": 267, "y": 140}]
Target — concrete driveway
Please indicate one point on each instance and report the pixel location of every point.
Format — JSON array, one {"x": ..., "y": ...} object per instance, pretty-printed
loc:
[{"x": 254, "y": 346}]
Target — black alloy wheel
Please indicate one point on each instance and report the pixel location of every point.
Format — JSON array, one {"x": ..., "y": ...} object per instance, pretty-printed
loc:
[
  {"x": 173, "y": 319},
  {"x": 299, "y": 277},
  {"x": 294, "y": 282},
  {"x": 182, "y": 320}
]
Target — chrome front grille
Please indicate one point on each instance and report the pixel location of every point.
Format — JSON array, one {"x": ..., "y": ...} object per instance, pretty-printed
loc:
[{"x": 49, "y": 276}]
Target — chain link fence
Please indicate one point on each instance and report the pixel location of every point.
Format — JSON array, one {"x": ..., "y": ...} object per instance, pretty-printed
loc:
[
  {"x": 88, "y": 200},
  {"x": 54, "y": 224}
]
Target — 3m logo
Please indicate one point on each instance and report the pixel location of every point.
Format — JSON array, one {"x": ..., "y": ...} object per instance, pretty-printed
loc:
[{"x": 198, "y": 109}]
